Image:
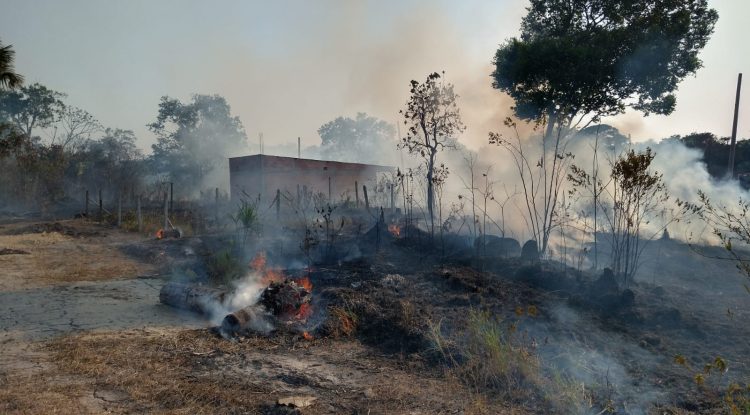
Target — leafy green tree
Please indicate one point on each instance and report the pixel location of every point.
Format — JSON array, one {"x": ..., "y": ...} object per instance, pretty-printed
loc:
[
  {"x": 9, "y": 78},
  {"x": 433, "y": 121},
  {"x": 361, "y": 139},
  {"x": 30, "y": 107},
  {"x": 578, "y": 58},
  {"x": 114, "y": 161},
  {"x": 195, "y": 137}
]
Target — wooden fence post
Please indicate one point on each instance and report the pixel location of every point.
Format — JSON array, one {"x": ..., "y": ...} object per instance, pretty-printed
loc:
[
  {"x": 278, "y": 204},
  {"x": 393, "y": 206},
  {"x": 367, "y": 201},
  {"x": 216, "y": 208},
  {"x": 166, "y": 212},
  {"x": 140, "y": 218},
  {"x": 119, "y": 209}
]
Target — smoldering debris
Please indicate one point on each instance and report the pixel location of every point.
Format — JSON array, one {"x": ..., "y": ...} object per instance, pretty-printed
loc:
[
  {"x": 282, "y": 305},
  {"x": 192, "y": 297}
]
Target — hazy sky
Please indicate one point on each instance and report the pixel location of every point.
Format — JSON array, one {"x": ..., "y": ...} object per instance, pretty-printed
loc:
[{"x": 287, "y": 67}]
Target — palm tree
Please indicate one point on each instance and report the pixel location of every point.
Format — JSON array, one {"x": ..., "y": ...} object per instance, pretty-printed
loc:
[{"x": 9, "y": 79}]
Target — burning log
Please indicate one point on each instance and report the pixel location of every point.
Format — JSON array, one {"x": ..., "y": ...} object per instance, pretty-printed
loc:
[
  {"x": 288, "y": 298},
  {"x": 251, "y": 318},
  {"x": 168, "y": 233},
  {"x": 191, "y": 297}
]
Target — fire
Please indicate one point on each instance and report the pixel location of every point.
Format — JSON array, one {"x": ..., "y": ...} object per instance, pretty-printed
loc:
[
  {"x": 394, "y": 229},
  {"x": 160, "y": 234},
  {"x": 305, "y": 310},
  {"x": 272, "y": 275},
  {"x": 259, "y": 262},
  {"x": 305, "y": 283},
  {"x": 269, "y": 276},
  {"x": 307, "y": 336}
]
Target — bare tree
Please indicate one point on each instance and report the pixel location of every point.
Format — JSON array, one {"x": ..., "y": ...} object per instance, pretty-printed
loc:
[
  {"x": 730, "y": 224},
  {"x": 433, "y": 121},
  {"x": 541, "y": 178},
  {"x": 73, "y": 128}
]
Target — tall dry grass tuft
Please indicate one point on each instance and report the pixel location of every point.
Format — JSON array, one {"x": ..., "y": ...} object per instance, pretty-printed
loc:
[{"x": 494, "y": 361}]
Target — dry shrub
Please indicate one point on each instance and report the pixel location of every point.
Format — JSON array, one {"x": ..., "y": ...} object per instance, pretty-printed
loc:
[
  {"x": 489, "y": 358},
  {"x": 341, "y": 322}
]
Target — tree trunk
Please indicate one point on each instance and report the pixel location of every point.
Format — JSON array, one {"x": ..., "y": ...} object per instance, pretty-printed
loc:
[{"x": 431, "y": 192}]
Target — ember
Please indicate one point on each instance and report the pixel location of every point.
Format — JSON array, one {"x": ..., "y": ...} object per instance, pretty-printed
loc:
[
  {"x": 287, "y": 299},
  {"x": 168, "y": 233},
  {"x": 268, "y": 275},
  {"x": 307, "y": 336},
  {"x": 394, "y": 229}
]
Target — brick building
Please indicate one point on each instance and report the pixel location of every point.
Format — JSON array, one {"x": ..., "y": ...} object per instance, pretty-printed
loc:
[{"x": 262, "y": 175}]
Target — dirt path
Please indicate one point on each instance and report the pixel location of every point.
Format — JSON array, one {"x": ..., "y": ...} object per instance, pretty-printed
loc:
[{"x": 41, "y": 313}]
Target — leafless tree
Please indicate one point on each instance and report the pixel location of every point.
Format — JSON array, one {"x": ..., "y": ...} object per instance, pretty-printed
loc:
[
  {"x": 433, "y": 121},
  {"x": 541, "y": 178},
  {"x": 73, "y": 128}
]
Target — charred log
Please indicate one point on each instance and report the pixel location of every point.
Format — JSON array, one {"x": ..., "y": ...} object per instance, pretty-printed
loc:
[
  {"x": 191, "y": 297},
  {"x": 286, "y": 298},
  {"x": 253, "y": 318}
]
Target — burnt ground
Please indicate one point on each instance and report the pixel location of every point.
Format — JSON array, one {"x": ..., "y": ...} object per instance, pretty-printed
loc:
[{"x": 82, "y": 332}]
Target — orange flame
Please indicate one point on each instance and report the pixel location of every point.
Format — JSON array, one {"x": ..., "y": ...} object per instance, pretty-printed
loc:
[
  {"x": 305, "y": 310},
  {"x": 160, "y": 234},
  {"x": 272, "y": 275},
  {"x": 394, "y": 229},
  {"x": 307, "y": 336},
  {"x": 305, "y": 283},
  {"x": 259, "y": 262}
]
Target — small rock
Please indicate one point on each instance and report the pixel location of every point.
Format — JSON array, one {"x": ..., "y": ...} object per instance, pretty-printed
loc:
[
  {"x": 109, "y": 395},
  {"x": 297, "y": 401},
  {"x": 530, "y": 251},
  {"x": 369, "y": 393}
]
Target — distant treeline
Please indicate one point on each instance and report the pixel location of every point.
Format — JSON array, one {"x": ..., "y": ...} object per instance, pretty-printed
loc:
[{"x": 716, "y": 152}]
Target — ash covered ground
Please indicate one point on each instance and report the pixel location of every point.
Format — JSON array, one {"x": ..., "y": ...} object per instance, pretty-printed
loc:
[{"x": 403, "y": 327}]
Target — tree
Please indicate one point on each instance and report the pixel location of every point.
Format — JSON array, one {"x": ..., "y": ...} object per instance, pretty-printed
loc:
[
  {"x": 731, "y": 224},
  {"x": 9, "y": 78},
  {"x": 73, "y": 128},
  {"x": 114, "y": 159},
  {"x": 578, "y": 58},
  {"x": 433, "y": 121},
  {"x": 542, "y": 175},
  {"x": 194, "y": 137},
  {"x": 362, "y": 139},
  {"x": 30, "y": 107},
  {"x": 628, "y": 202}
]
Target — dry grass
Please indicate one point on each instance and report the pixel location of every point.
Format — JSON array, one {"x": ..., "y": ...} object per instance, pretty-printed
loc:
[
  {"x": 160, "y": 372},
  {"x": 55, "y": 258},
  {"x": 492, "y": 361},
  {"x": 39, "y": 394}
]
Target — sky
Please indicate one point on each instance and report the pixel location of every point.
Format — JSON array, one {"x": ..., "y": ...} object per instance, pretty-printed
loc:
[{"x": 287, "y": 67}]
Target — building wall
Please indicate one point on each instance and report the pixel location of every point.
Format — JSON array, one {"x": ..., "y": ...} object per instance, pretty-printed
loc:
[{"x": 263, "y": 175}]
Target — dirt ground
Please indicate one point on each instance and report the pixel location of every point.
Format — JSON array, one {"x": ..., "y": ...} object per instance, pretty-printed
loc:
[{"x": 82, "y": 331}]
